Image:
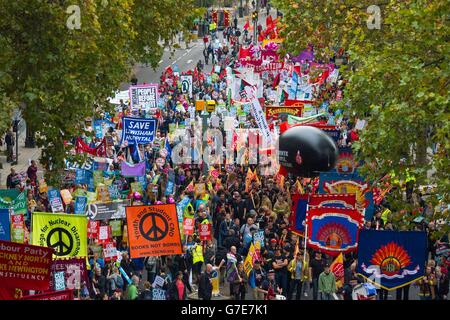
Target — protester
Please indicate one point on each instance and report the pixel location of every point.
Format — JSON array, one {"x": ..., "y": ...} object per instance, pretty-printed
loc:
[
  {"x": 327, "y": 284},
  {"x": 205, "y": 284}
]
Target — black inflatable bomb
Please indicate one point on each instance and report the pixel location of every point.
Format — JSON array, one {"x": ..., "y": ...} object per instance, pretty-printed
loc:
[{"x": 305, "y": 151}]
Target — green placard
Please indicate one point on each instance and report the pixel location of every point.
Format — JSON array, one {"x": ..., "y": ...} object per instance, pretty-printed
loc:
[{"x": 116, "y": 227}]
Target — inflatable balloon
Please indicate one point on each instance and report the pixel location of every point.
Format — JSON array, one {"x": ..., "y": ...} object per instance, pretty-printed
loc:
[{"x": 305, "y": 151}]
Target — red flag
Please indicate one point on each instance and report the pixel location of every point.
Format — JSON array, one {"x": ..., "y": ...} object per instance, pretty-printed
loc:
[
  {"x": 246, "y": 25},
  {"x": 269, "y": 22}
]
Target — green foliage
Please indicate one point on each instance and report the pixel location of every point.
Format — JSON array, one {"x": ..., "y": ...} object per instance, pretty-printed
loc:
[
  {"x": 56, "y": 74},
  {"x": 397, "y": 80}
]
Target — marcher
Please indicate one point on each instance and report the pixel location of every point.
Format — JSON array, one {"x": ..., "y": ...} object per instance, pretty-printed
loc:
[
  {"x": 205, "y": 284},
  {"x": 327, "y": 284}
]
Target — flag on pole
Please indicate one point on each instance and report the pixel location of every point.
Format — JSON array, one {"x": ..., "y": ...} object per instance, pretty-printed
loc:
[
  {"x": 248, "y": 262},
  {"x": 337, "y": 267}
]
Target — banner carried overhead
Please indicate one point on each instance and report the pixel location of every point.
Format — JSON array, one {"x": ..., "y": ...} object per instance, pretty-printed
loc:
[
  {"x": 107, "y": 210},
  {"x": 74, "y": 272},
  {"x": 51, "y": 296},
  {"x": 144, "y": 97},
  {"x": 333, "y": 230},
  {"x": 66, "y": 233},
  {"x": 392, "y": 259},
  {"x": 186, "y": 84},
  {"x": 137, "y": 130},
  {"x": 25, "y": 266},
  {"x": 153, "y": 231}
]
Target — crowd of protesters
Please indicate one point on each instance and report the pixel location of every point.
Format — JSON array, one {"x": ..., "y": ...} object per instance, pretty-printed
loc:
[{"x": 235, "y": 211}]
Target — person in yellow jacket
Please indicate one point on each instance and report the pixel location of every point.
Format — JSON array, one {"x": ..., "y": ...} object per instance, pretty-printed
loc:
[
  {"x": 197, "y": 259},
  {"x": 297, "y": 269}
]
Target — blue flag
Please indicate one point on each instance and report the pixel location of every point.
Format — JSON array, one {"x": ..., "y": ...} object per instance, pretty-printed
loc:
[
  {"x": 300, "y": 205},
  {"x": 392, "y": 259}
]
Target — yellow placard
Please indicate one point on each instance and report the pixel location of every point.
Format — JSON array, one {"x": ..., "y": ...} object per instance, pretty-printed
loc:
[
  {"x": 210, "y": 105},
  {"x": 66, "y": 233}
]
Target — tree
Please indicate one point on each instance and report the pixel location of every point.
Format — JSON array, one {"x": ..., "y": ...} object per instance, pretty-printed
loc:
[
  {"x": 57, "y": 69},
  {"x": 397, "y": 80}
]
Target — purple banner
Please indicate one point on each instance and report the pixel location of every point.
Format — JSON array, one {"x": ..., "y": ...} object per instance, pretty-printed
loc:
[{"x": 130, "y": 170}]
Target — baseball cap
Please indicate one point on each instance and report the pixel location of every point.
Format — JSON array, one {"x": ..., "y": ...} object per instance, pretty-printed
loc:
[
  {"x": 271, "y": 271},
  {"x": 273, "y": 241}
]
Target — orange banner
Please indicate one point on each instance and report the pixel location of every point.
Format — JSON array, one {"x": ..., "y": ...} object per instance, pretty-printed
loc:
[{"x": 153, "y": 230}]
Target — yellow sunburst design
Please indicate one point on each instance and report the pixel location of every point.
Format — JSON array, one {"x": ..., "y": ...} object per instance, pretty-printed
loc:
[{"x": 391, "y": 258}]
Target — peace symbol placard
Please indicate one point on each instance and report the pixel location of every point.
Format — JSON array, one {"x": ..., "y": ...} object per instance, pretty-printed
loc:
[
  {"x": 65, "y": 233},
  {"x": 153, "y": 230}
]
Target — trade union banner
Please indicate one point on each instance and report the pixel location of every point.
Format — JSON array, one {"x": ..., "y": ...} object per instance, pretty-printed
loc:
[
  {"x": 144, "y": 96},
  {"x": 273, "y": 112},
  {"x": 345, "y": 162},
  {"x": 51, "y": 296},
  {"x": 24, "y": 266},
  {"x": 66, "y": 233},
  {"x": 339, "y": 183},
  {"x": 332, "y": 200},
  {"x": 137, "y": 130},
  {"x": 392, "y": 259},
  {"x": 153, "y": 230},
  {"x": 74, "y": 271},
  {"x": 333, "y": 230},
  {"x": 107, "y": 210}
]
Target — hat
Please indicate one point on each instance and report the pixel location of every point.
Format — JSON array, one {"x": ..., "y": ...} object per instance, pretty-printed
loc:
[
  {"x": 273, "y": 241},
  {"x": 271, "y": 271}
]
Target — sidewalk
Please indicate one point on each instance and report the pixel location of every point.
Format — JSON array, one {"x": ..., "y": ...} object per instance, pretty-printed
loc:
[{"x": 25, "y": 156}]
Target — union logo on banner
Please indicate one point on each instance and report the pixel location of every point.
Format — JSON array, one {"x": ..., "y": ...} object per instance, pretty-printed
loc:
[
  {"x": 333, "y": 230},
  {"x": 392, "y": 259}
]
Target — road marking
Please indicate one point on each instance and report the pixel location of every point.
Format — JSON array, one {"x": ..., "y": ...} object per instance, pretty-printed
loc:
[
  {"x": 189, "y": 61},
  {"x": 161, "y": 61},
  {"x": 185, "y": 54}
]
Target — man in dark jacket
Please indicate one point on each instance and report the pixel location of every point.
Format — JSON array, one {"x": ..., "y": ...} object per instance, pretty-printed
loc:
[
  {"x": 9, "y": 140},
  {"x": 205, "y": 284},
  {"x": 12, "y": 180},
  {"x": 442, "y": 284}
]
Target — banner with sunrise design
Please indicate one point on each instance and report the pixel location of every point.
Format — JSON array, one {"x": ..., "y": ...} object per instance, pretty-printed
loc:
[
  {"x": 333, "y": 230},
  {"x": 392, "y": 259}
]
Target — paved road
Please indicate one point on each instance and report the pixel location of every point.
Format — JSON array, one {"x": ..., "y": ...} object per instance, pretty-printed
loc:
[{"x": 185, "y": 58}]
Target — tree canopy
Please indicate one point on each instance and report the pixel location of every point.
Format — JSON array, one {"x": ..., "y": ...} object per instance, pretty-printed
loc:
[
  {"x": 56, "y": 71},
  {"x": 397, "y": 79}
]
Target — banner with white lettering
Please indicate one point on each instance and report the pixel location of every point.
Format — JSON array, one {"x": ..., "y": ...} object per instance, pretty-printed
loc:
[
  {"x": 144, "y": 96},
  {"x": 137, "y": 130},
  {"x": 186, "y": 84}
]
